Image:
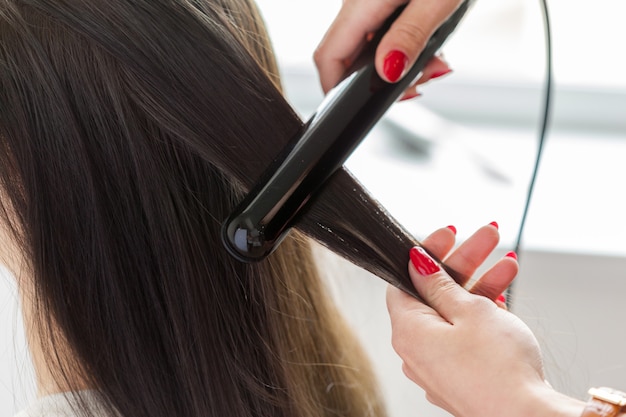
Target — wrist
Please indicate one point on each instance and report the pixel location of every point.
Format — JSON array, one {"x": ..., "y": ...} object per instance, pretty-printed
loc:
[
  {"x": 544, "y": 401},
  {"x": 565, "y": 406}
]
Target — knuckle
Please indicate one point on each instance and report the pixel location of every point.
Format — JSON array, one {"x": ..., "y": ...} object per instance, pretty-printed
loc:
[
  {"x": 441, "y": 288},
  {"x": 411, "y": 34},
  {"x": 402, "y": 338},
  {"x": 434, "y": 400},
  {"x": 392, "y": 4},
  {"x": 406, "y": 370},
  {"x": 398, "y": 341},
  {"x": 467, "y": 259},
  {"x": 318, "y": 55},
  {"x": 464, "y": 304},
  {"x": 395, "y": 341},
  {"x": 480, "y": 305}
]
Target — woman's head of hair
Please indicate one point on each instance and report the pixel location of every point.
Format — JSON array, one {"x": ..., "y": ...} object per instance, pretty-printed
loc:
[{"x": 120, "y": 122}]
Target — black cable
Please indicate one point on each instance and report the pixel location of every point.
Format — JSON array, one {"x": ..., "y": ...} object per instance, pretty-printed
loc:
[{"x": 542, "y": 135}]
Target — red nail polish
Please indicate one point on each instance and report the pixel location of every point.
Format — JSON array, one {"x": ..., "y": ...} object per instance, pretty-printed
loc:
[
  {"x": 440, "y": 73},
  {"x": 411, "y": 96},
  {"x": 494, "y": 224},
  {"x": 452, "y": 228},
  {"x": 511, "y": 255},
  {"x": 422, "y": 262},
  {"x": 501, "y": 298},
  {"x": 394, "y": 65}
]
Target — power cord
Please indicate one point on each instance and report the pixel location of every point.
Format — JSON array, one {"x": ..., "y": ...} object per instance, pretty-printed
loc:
[{"x": 547, "y": 103}]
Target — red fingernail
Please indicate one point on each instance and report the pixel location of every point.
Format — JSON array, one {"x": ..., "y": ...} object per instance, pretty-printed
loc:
[
  {"x": 422, "y": 262},
  {"x": 494, "y": 224},
  {"x": 511, "y": 255},
  {"x": 440, "y": 73},
  {"x": 411, "y": 96},
  {"x": 501, "y": 298},
  {"x": 394, "y": 65},
  {"x": 452, "y": 228}
]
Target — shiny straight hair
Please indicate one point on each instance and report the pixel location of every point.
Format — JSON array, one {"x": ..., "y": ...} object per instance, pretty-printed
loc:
[{"x": 129, "y": 129}]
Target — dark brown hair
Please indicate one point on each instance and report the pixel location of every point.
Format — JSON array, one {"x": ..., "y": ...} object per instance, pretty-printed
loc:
[{"x": 128, "y": 131}]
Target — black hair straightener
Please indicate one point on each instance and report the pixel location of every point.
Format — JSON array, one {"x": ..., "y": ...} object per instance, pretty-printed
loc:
[{"x": 289, "y": 186}]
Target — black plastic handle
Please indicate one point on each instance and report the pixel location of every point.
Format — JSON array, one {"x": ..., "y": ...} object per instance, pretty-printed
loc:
[{"x": 344, "y": 118}]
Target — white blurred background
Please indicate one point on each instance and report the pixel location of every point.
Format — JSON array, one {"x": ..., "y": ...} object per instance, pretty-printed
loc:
[{"x": 462, "y": 154}]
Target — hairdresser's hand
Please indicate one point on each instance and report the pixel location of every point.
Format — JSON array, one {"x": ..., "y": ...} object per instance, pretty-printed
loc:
[
  {"x": 472, "y": 358},
  {"x": 398, "y": 49},
  {"x": 470, "y": 255}
]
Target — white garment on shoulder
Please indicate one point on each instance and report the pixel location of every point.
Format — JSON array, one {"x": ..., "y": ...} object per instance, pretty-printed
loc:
[{"x": 61, "y": 405}]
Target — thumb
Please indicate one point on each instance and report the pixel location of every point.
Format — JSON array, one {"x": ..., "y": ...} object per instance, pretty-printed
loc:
[
  {"x": 436, "y": 287},
  {"x": 408, "y": 35}
]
